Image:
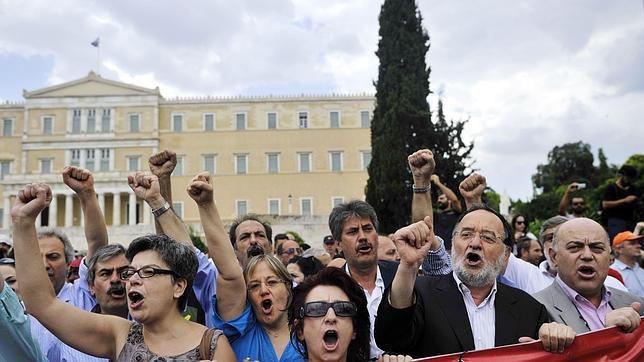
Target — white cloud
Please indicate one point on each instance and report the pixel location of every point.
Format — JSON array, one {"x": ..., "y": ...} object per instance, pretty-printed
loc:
[{"x": 530, "y": 75}]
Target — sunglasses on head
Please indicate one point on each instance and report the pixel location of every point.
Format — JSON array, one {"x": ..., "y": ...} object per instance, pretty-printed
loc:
[{"x": 319, "y": 309}]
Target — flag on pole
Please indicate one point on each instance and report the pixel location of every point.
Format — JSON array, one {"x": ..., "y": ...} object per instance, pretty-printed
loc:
[{"x": 96, "y": 42}]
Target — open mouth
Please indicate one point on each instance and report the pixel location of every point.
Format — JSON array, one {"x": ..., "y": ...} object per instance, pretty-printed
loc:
[
  {"x": 364, "y": 248},
  {"x": 267, "y": 306},
  {"x": 330, "y": 339},
  {"x": 473, "y": 259},
  {"x": 586, "y": 271},
  {"x": 135, "y": 298},
  {"x": 117, "y": 292}
]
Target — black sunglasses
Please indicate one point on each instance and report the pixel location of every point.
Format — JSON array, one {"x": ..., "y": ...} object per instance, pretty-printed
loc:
[
  {"x": 291, "y": 251},
  {"x": 319, "y": 309},
  {"x": 519, "y": 222}
]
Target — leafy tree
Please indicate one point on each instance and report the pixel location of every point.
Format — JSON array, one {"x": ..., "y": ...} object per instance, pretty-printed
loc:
[
  {"x": 571, "y": 162},
  {"x": 197, "y": 240},
  {"x": 402, "y": 120}
]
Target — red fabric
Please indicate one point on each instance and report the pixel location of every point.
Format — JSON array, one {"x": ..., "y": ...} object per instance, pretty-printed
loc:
[
  {"x": 615, "y": 274},
  {"x": 605, "y": 345}
]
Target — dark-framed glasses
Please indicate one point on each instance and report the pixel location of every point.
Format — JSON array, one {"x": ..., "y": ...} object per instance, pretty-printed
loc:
[
  {"x": 291, "y": 251},
  {"x": 319, "y": 309},
  {"x": 146, "y": 272}
]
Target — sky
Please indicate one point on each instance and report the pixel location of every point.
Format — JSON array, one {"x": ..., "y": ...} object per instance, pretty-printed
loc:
[{"x": 529, "y": 75}]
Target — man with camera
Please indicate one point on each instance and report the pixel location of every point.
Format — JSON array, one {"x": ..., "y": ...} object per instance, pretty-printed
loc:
[{"x": 577, "y": 204}]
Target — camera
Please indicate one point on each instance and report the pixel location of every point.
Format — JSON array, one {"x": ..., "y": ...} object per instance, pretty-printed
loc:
[{"x": 581, "y": 185}]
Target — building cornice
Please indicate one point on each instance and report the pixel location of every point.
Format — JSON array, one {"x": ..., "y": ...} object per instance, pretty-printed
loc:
[
  {"x": 269, "y": 98},
  {"x": 76, "y": 143}
]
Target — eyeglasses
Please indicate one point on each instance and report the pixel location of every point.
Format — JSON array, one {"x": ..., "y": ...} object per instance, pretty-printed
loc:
[
  {"x": 319, "y": 309},
  {"x": 469, "y": 235},
  {"x": 146, "y": 272},
  {"x": 548, "y": 237},
  {"x": 291, "y": 251},
  {"x": 270, "y": 284},
  {"x": 520, "y": 222}
]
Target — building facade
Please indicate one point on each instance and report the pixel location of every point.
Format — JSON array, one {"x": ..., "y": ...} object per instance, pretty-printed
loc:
[{"x": 290, "y": 158}]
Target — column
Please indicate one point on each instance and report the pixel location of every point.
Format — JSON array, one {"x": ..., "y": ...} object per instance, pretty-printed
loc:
[
  {"x": 116, "y": 209},
  {"x": 146, "y": 213},
  {"x": 132, "y": 207},
  {"x": 6, "y": 211},
  {"x": 69, "y": 210},
  {"x": 101, "y": 201},
  {"x": 53, "y": 211}
]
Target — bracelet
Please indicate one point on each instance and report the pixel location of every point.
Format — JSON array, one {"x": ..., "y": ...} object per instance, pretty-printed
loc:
[
  {"x": 158, "y": 212},
  {"x": 421, "y": 190}
]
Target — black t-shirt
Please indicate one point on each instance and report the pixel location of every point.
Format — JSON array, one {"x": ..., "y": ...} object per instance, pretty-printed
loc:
[
  {"x": 624, "y": 212},
  {"x": 444, "y": 223}
]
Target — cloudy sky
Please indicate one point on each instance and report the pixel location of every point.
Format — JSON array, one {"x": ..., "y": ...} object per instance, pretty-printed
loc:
[{"x": 529, "y": 74}]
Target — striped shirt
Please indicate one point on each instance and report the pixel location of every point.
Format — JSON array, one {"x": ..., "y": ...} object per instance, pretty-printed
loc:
[{"x": 482, "y": 317}]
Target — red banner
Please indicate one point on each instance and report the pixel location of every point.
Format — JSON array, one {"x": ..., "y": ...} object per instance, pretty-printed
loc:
[{"x": 605, "y": 345}]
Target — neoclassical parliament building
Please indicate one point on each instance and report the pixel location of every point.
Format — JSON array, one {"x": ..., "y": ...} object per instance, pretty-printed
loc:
[{"x": 291, "y": 158}]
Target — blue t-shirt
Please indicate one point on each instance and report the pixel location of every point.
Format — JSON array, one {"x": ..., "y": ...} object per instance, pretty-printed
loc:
[{"x": 249, "y": 339}]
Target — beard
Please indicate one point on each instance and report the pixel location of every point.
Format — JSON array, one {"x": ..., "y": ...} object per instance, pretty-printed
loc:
[
  {"x": 442, "y": 206},
  {"x": 485, "y": 276}
]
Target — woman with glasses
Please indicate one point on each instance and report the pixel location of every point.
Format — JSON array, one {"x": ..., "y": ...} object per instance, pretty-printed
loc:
[
  {"x": 329, "y": 317},
  {"x": 520, "y": 228},
  {"x": 161, "y": 272},
  {"x": 251, "y": 304}
]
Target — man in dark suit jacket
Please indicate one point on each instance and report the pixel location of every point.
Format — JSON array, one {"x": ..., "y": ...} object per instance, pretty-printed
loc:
[
  {"x": 578, "y": 297},
  {"x": 467, "y": 309}
]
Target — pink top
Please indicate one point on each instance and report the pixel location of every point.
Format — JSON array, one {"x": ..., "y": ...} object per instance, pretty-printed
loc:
[{"x": 595, "y": 318}]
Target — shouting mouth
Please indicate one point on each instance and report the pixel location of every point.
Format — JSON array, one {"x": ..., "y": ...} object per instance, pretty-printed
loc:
[
  {"x": 364, "y": 248},
  {"x": 473, "y": 259},
  {"x": 586, "y": 272},
  {"x": 330, "y": 339},
  {"x": 116, "y": 292},
  {"x": 136, "y": 299},
  {"x": 267, "y": 306}
]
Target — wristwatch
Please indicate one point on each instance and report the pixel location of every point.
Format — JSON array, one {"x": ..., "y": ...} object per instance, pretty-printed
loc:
[{"x": 158, "y": 212}]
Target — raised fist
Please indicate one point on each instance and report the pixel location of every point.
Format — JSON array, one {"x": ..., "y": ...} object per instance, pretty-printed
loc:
[
  {"x": 146, "y": 187},
  {"x": 472, "y": 187},
  {"x": 200, "y": 188},
  {"x": 414, "y": 241},
  {"x": 422, "y": 166},
  {"x": 30, "y": 201},
  {"x": 78, "y": 179},
  {"x": 163, "y": 163}
]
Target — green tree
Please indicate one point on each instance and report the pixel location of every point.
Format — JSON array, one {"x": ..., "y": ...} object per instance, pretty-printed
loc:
[
  {"x": 571, "y": 162},
  {"x": 197, "y": 240},
  {"x": 452, "y": 154},
  {"x": 401, "y": 120}
]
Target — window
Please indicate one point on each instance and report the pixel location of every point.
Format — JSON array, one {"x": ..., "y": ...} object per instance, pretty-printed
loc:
[
  {"x": 304, "y": 159},
  {"x": 91, "y": 121},
  {"x": 177, "y": 207},
  {"x": 177, "y": 122},
  {"x": 106, "y": 121},
  {"x": 76, "y": 121},
  {"x": 105, "y": 160},
  {"x": 178, "y": 169},
  {"x": 303, "y": 118},
  {"x": 7, "y": 127},
  {"x": 74, "y": 158},
  {"x": 241, "y": 207},
  {"x": 45, "y": 165},
  {"x": 273, "y": 162},
  {"x": 133, "y": 163},
  {"x": 271, "y": 120},
  {"x": 273, "y": 206},
  {"x": 209, "y": 164},
  {"x": 241, "y": 166},
  {"x": 5, "y": 169},
  {"x": 306, "y": 206},
  {"x": 336, "y": 200},
  {"x": 365, "y": 119},
  {"x": 335, "y": 160},
  {"x": 47, "y": 125},
  {"x": 90, "y": 156},
  {"x": 366, "y": 159},
  {"x": 240, "y": 121},
  {"x": 134, "y": 123},
  {"x": 208, "y": 121},
  {"x": 334, "y": 119}
]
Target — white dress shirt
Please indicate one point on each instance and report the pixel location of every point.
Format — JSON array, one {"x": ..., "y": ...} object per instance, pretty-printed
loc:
[{"x": 482, "y": 317}]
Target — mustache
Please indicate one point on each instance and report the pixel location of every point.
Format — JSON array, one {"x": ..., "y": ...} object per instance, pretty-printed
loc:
[
  {"x": 254, "y": 250},
  {"x": 116, "y": 288}
]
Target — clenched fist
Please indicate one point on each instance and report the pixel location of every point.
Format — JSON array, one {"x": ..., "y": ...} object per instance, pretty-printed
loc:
[
  {"x": 200, "y": 188},
  {"x": 78, "y": 179},
  {"x": 30, "y": 201},
  {"x": 472, "y": 187},
  {"x": 163, "y": 163},
  {"x": 422, "y": 164}
]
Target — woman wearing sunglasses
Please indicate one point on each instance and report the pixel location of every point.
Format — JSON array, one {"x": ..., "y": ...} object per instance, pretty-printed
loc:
[
  {"x": 520, "y": 227},
  {"x": 329, "y": 317},
  {"x": 251, "y": 304},
  {"x": 161, "y": 272}
]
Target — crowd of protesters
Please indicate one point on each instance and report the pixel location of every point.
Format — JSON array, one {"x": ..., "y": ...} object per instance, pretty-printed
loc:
[{"x": 455, "y": 279}]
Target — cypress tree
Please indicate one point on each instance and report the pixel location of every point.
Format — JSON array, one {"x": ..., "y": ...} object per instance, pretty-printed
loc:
[{"x": 402, "y": 119}]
